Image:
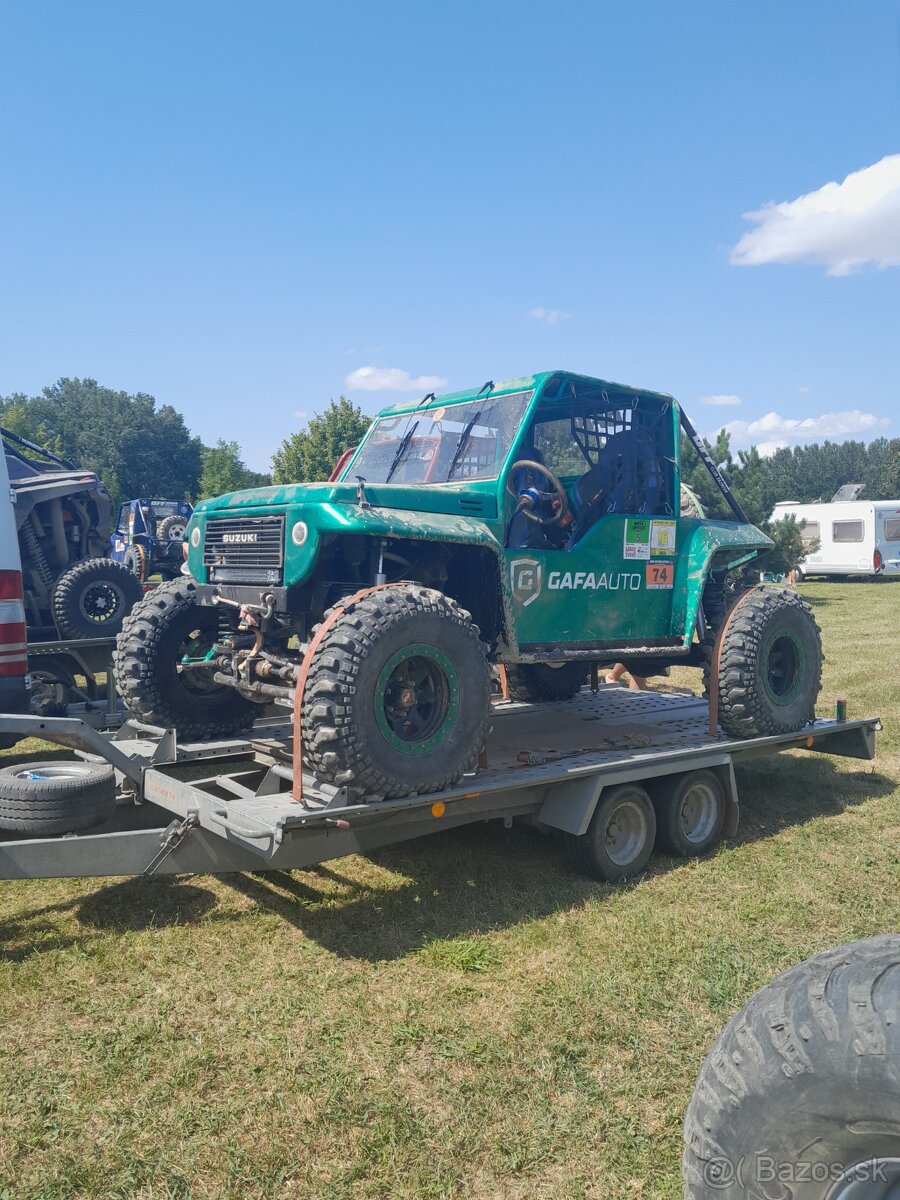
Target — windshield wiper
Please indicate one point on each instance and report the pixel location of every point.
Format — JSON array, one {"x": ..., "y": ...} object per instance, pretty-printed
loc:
[
  {"x": 462, "y": 444},
  {"x": 401, "y": 450}
]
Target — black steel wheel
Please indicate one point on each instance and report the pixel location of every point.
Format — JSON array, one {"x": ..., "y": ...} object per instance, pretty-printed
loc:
[
  {"x": 93, "y": 598},
  {"x": 770, "y": 664},
  {"x": 800, "y": 1095},
  {"x": 397, "y": 699},
  {"x": 160, "y": 669}
]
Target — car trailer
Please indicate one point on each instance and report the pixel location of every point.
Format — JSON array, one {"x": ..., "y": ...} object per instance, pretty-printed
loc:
[{"x": 609, "y": 770}]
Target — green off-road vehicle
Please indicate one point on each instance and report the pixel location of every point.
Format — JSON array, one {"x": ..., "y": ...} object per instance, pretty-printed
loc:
[{"x": 534, "y": 523}]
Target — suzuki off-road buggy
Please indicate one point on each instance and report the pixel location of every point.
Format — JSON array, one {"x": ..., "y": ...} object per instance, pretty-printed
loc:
[{"x": 533, "y": 524}]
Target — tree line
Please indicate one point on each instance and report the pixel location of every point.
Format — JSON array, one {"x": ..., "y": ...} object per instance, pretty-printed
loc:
[{"x": 141, "y": 449}]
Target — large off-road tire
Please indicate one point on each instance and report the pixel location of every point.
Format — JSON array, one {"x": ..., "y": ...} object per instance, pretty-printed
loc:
[
  {"x": 56, "y": 797},
  {"x": 803, "y": 1086},
  {"x": 397, "y": 699},
  {"x": 158, "y": 689},
  {"x": 770, "y": 665},
  {"x": 93, "y": 598},
  {"x": 171, "y": 529},
  {"x": 136, "y": 560},
  {"x": 535, "y": 683}
]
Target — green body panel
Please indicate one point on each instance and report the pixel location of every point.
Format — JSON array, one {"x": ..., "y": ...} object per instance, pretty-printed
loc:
[{"x": 610, "y": 587}]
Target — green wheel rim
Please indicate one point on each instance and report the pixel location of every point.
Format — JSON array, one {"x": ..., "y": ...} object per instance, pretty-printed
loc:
[
  {"x": 416, "y": 699},
  {"x": 785, "y": 664}
]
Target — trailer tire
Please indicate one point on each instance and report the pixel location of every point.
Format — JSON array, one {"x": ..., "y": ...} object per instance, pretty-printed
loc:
[
  {"x": 690, "y": 813},
  {"x": 398, "y": 694},
  {"x": 93, "y": 598},
  {"x": 147, "y": 662},
  {"x": 619, "y": 840},
  {"x": 770, "y": 664},
  {"x": 56, "y": 797},
  {"x": 536, "y": 683},
  {"x": 803, "y": 1084}
]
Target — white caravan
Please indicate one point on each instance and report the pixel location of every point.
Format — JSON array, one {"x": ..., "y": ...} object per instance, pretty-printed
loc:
[{"x": 856, "y": 537}]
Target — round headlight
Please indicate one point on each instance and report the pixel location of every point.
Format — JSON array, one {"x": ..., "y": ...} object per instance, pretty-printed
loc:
[
  {"x": 195, "y": 537},
  {"x": 299, "y": 533}
]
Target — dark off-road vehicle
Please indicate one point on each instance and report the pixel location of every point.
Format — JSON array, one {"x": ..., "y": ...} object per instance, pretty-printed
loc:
[{"x": 534, "y": 523}]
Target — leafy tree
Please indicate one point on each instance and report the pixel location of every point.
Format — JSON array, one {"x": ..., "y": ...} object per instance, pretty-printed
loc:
[
  {"x": 311, "y": 454},
  {"x": 224, "y": 471},
  {"x": 699, "y": 480},
  {"x": 136, "y": 448}
]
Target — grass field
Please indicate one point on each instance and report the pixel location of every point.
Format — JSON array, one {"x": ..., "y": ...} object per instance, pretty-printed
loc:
[{"x": 458, "y": 1017}]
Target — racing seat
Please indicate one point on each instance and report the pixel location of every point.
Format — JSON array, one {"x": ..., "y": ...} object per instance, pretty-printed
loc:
[{"x": 627, "y": 477}]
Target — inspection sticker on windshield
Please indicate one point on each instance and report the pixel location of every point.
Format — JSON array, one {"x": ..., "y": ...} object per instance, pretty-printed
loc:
[
  {"x": 637, "y": 537},
  {"x": 662, "y": 539},
  {"x": 660, "y": 575}
]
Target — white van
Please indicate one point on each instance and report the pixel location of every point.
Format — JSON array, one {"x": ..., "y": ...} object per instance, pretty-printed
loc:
[
  {"x": 856, "y": 537},
  {"x": 14, "y": 682}
]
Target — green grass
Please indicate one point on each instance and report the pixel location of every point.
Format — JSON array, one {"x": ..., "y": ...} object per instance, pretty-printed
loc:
[{"x": 459, "y": 1017}]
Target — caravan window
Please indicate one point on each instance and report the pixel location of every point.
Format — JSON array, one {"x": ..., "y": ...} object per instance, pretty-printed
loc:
[
  {"x": 847, "y": 531},
  {"x": 810, "y": 532},
  {"x": 892, "y": 529}
]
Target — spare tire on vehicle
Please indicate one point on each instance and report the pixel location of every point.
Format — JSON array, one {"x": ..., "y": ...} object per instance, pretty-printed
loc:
[
  {"x": 769, "y": 668},
  {"x": 93, "y": 598},
  {"x": 171, "y": 529},
  {"x": 56, "y": 797}
]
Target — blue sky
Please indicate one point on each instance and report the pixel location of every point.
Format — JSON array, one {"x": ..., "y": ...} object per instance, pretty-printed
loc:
[{"x": 239, "y": 207}]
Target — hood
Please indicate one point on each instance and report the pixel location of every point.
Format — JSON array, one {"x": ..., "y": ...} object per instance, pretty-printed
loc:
[{"x": 469, "y": 499}]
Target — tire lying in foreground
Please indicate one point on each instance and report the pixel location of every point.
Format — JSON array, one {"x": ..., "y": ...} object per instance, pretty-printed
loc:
[
  {"x": 535, "y": 683},
  {"x": 56, "y": 797},
  {"x": 165, "y": 628},
  {"x": 398, "y": 694},
  {"x": 93, "y": 598},
  {"x": 800, "y": 1095},
  {"x": 770, "y": 664}
]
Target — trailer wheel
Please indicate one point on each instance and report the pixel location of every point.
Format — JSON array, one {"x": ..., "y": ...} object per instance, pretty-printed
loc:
[
  {"x": 800, "y": 1095},
  {"x": 136, "y": 560},
  {"x": 535, "y": 683},
  {"x": 56, "y": 797},
  {"x": 619, "y": 840},
  {"x": 770, "y": 664},
  {"x": 93, "y": 598},
  {"x": 690, "y": 813},
  {"x": 52, "y": 684},
  {"x": 167, "y": 627},
  {"x": 398, "y": 696}
]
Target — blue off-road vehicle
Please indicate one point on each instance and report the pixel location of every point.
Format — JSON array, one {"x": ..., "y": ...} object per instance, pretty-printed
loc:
[{"x": 148, "y": 537}]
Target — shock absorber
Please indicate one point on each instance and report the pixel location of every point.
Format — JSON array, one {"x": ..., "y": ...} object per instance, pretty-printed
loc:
[{"x": 36, "y": 555}]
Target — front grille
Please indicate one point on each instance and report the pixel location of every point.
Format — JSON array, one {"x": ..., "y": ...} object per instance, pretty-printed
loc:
[{"x": 245, "y": 550}]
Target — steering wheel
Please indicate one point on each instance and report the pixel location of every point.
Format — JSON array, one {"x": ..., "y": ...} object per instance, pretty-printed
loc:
[{"x": 528, "y": 498}]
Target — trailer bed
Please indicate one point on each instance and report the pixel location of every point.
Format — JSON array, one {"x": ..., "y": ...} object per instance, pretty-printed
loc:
[{"x": 227, "y": 805}]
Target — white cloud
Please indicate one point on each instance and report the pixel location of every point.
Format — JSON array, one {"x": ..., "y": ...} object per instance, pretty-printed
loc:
[
  {"x": 391, "y": 379},
  {"x": 841, "y": 226},
  {"x": 551, "y": 315},
  {"x": 301, "y": 414},
  {"x": 723, "y": 401},
  {"x": 774, "y": 430}
]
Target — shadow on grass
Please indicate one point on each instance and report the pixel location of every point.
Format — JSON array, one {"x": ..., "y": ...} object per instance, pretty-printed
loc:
[{"x": 459, "y": 883}]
